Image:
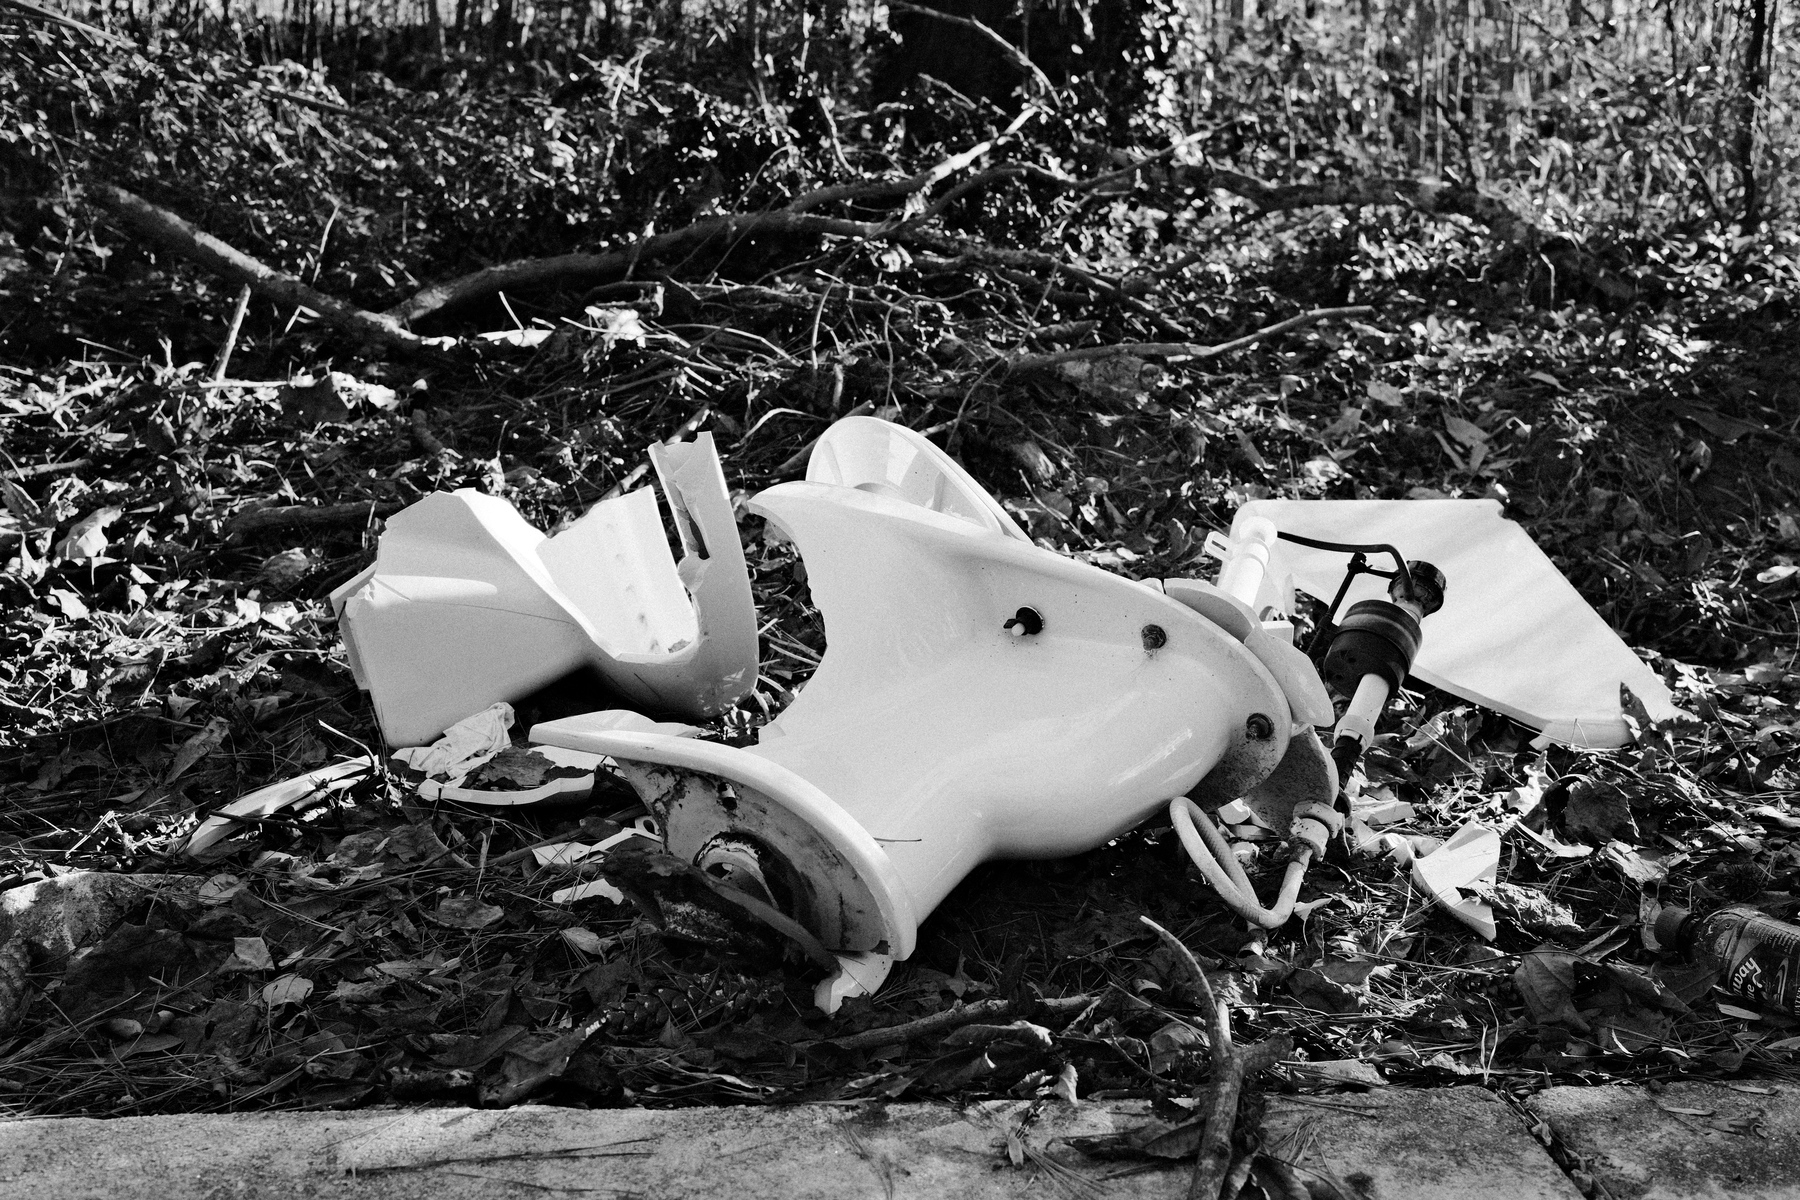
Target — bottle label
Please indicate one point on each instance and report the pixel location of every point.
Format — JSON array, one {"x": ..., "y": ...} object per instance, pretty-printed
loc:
[{"x": 1760, "y": 961}]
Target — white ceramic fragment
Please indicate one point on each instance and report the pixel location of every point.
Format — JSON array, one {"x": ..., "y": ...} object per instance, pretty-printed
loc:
[
  {"x": 454, "y": 787},
  {"x": 1513, "y": 634},
  {"x": 1472, "y": 855},
  {"x": 878, "y": 456},
  {"x": 857, "y": 975},
  {"x": 592, "y": 889},
  {"x": 267, "y": 801},
  {"x": 468, "y": 605}
]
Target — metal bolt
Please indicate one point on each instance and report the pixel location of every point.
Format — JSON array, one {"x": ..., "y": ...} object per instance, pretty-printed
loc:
[
  {"x": 1155, "y": 637},
  {"x": 1025, "y": 622},
  {"x": 1259, "y": 727}
]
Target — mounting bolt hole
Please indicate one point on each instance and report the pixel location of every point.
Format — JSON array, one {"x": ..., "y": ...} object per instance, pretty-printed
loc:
[{"x": 1025, "y": 622}]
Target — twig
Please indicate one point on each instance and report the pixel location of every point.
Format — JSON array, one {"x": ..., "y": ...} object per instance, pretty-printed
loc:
[
  {"x": 169, "y": 232},
  {"x": 39, "y": 11},
  {"x": 54, "y": 468},
  {"x": 231, "y": 334},
  {"x": 305, "y": 517},
  {"x": 1231, "y": 1065},
  {"x": 888, "y": 189},
  {"x": 981, "y": 1011},
  {"x": 1038, "y": 362},
  {"x": 1012, "y": 53}
]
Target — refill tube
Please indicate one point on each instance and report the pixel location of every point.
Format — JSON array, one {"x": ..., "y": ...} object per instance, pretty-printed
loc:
[
  {"x": 1364, "y": 710},
  {"x": 1242, "y": 575},
  {"x": 1222, "y": 870}
]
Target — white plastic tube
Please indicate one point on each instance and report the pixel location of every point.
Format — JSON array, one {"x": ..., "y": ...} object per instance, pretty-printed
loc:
[
  {"x": 1242, "y": 574},
  {"x": 1364, "y": 710},
  {"x": 1207, "y": 847}
]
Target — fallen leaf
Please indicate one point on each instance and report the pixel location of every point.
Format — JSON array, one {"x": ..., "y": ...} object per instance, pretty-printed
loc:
[
  {"x": 517, "y": 769},
  {"x": 1351, "y": 1072},
  {"x": 584, "y": 940},
  {"x": 1598, "y": 812},
  {"x": 529, "y": 1065},
  {"x": 197, "y": 748},
  {"x": 72, "y": 606},
  {"x": 1545, "y": 978},
  {"x": 466, "y": 912},
  {"x": 289, "y": 989},
  {"x": 249, "y": 954},
  {"x": 1635, "y": 865},
  {"x": 1466, "y": 432},
  {"x": 86, "y": 538},
  {"x": 1529, "y": 908},
  {"x": 288, "y": 568}
]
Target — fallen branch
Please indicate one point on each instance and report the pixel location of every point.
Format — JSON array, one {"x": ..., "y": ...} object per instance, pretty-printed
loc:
[
  {"x": 1423, "y": 195},
  {"x": 570, "y": 270},
  {"x": 1232, "y": 1064},
  {"x": 980, "y": 1012},
  {"x": 296, "y": 517},
  {"x": 1038, "y": 362},
  {"x": 890, "y": 189},
  {"x": 168, "y": 232},
  {"x": 585, "y": 269},
  {"x": 1430, "y": 196}
]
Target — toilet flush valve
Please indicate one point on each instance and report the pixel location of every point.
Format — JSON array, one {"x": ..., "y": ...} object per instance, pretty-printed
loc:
[{"x": 1371, "y": 651}]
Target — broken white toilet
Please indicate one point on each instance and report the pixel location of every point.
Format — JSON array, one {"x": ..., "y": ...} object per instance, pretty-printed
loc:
[
  {"x": 468, "y": 605},
  {"x": 983, "y": 698}
]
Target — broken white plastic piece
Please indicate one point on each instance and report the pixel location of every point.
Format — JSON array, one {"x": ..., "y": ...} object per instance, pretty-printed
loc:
[
  {"x": 878, "y": 456},
  {"x": 1472, "y": 855},
  {"x": 1513, "y": 634},
  {"x": 454, "y": 788},
  {"x": 315, "y": 786},
  {"x": 857, "y": 975},
  {"x": 592, "y": 889},
  {"x": 565, "y": 853},
  {"x": 931, "y": 739},
  {"x": 467, "y": 604}
]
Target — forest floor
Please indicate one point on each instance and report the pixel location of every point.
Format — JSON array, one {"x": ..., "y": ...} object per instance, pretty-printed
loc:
[{"x": 168, "y": 647}]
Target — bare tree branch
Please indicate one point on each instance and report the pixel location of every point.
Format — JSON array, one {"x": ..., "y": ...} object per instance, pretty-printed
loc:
[
  {"x": 168, "y": 232},
  {"x": 1038, "y": 362}
]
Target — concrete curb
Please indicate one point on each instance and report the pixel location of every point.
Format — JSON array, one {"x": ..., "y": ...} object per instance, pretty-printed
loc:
[{"x": 1391, "y": 1144}]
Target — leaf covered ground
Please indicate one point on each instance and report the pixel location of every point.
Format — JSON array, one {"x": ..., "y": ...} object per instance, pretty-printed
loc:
[{"x": 168, "y": 647}]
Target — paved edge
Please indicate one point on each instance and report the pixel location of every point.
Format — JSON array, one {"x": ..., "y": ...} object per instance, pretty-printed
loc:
[
  {"x": 1390, "y": 1144},
  {"x": 1688, "y": 1140}
]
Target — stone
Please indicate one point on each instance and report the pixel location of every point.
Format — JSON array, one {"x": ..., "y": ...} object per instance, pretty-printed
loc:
[{"x": 1684, "y": 1141}]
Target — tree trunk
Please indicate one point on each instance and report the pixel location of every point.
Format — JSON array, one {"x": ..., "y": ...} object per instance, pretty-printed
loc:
[{"x": 1756, "y": 83}]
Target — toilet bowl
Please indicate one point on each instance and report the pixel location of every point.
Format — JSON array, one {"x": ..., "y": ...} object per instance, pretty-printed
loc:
[{"x": 979, "y": 698}]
